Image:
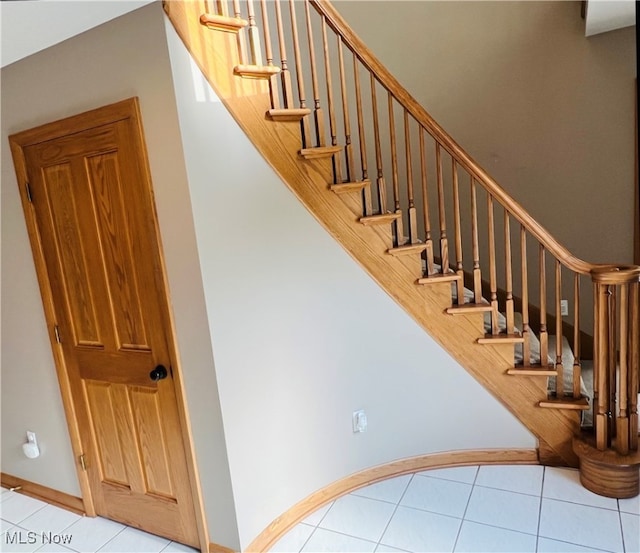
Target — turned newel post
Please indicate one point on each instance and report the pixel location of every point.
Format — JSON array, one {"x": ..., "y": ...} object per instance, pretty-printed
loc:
[
  {"x": 609, "y": 458},
  {"x": 616, "y": 357}
]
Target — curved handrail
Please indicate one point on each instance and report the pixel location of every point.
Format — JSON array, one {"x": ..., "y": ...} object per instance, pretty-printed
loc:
[{"x": 390, "y": 83}]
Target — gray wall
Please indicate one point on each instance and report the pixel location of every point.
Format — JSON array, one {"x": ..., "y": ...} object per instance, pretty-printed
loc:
[
  {"x": 123, "y": 58},
  {"x": 545, "y": 110}
]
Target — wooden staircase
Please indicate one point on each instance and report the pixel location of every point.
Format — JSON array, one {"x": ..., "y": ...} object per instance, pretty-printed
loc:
[{"x": 387, "y": 222}]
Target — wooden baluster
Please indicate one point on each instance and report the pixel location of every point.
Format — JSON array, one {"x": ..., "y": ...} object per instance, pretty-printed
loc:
[
  {"x": 285, "y": 74},
  {"x": 444, "y": 245},
  {"x": 273, "y": 80},
  {"x": 368, "y": 207},
  {"x": 458, "y": 232},
  {"x": 510, "y": 312},
  {"x": 337, "y": 165},
  {"x": 305, "y": 128},
  {"x": 577, "y": 369},
  {"x": 425, "y": 204},
  {"x": 600, "y": 371},
  {"x": 612, "y": 349},
  {"x": 634, "y": 363},
  {"x": 544, "y": 336},
  {"x": 318, "y": 115},
  {"x": 254, "y": 35},
  {"x": 413, "y": 215},
  {"x": 559, "y": 366},
  {"x": 267, "y": 32},
  {"x": 477, "y": 274},
  {"x": 394, "y": 172},
  {"x": 622, "y": 422},
  {"x": 526, "y": 329},
  {"x": 348, "y": 149},
  {"x": 240, "y": 37},
  {"x": 493, "y": 281},
  {"x": 382, "y": 191},
  {"x": 220, "y": 5}
]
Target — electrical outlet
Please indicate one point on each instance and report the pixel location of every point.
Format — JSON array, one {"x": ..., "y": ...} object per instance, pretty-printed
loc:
[
  {"x": 359, "y": 421},
  {"x": 564, "y": 308}
]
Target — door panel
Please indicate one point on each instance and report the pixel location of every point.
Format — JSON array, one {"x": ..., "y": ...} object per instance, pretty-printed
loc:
[
  {"x": 95, "y": 219},
  {"x": 110, "y": 455}
]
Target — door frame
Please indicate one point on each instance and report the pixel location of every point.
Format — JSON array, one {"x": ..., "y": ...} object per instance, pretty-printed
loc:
[{"x": 125, "y": 109}]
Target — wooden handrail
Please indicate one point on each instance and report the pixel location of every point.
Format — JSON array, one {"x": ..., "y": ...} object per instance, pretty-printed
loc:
[{"x": 408, "y": 102}]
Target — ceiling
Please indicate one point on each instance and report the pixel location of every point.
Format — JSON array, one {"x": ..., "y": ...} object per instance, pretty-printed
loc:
[
  {"x": 29, "y": 26},
  {"x": 608, "y": 15}
]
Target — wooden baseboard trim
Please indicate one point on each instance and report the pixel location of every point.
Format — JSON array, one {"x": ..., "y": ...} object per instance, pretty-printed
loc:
[
  {"x": 215, "y": 548},
  {"x": 304, "y": 508},
  {"x": 43, "y": 493}
]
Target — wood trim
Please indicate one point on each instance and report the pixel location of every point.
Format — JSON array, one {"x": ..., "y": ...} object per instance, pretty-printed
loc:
[
  {"x": 216, "y": 548},
  {"x": 17, "y": 142},
  {"x": 172, "y": 346},
  {"x": 348, "y": 484},
  {"x": 125, "y": 109},
  {"x": 636, "y": 226},
  {"x": 43, "y": 493},
  {"x": 388, "y": 81}
]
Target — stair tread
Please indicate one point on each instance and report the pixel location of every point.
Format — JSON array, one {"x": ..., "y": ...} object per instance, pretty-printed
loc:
[
  {"x": 256, "y": 71},
  {"x": 344, "y": 187},
  {"x": 439, "y": 277},
  {"x": 288, "y": 114},
  {"x": 407, "y": 249},
  {"x": 380, "y": 219},
  {"x": 533, "y": 371},
  {"x": 319, "y": 152},
  {"x": 223, "y": 22},
  {"x": 469, "y": 308},
  {"x": 580, "y": 403},
  {"x": 515, "y": 338}
]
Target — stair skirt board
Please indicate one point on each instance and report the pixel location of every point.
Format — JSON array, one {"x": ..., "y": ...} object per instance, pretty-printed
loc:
[{"x": 348, "y": 484}]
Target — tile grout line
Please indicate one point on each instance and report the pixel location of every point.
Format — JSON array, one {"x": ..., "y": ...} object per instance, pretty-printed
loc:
[
  {"x": 30, "y": 514},
  {"x": 624, "y": 542},
  {"x": 582, "y": 504},
  {"x": 395, "y": 510},
  {"x": 579, "y": 544},
  {"x": 544, "y": 474},
  {"x": 464, "y": 514},
  {"x": 112, "y": 538},
  {"x": 329, "y": 530},
  {"x": 315, "y": 527}
]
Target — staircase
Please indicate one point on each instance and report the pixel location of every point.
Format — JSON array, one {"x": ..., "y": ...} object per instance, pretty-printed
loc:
[{"x": 434, "y": 230}]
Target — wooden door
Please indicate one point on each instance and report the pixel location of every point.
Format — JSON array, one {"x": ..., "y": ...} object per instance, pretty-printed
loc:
[{"x": 90, "y": 199}]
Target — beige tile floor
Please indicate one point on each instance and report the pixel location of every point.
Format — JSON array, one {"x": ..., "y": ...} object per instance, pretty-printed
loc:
[{"x": 483, "y": 509}]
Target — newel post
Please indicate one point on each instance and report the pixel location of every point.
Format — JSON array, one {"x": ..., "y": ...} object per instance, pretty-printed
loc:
[{"x": 609, "y": 458}]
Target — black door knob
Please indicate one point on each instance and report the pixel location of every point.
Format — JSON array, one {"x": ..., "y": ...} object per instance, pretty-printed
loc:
[{"x": 159, "y": 373}]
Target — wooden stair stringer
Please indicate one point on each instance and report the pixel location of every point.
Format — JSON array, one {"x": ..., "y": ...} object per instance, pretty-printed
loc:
[{"x": 279, "y": 142}]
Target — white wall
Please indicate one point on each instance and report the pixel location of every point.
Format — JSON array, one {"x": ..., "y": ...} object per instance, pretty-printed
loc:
[
  {"x": 546, "y": 111},
  {"x": 302, "y": 336},
  {"x": 123, "y": 58}
]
